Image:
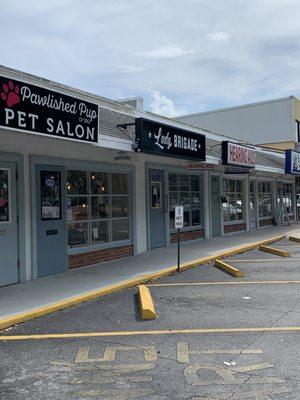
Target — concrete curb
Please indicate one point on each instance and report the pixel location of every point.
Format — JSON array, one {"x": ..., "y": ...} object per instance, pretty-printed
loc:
[
  {"x": 294, "y": 239},
  {"x": 228, "y": 268},
  {"x": 273, "y": 250},
  {"x": 146, "y": 303},
  {"x": 72, "y": 301}
]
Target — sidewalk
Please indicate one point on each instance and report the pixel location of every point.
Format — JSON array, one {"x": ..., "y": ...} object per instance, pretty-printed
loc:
[{"x": 46, "y": 292}]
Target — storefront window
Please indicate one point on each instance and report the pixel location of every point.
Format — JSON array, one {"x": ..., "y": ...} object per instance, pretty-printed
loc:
[
  {"x": 233, "y": 208},
  {"x": 285, "y": 198},
  {"x": 50, "y": 195},
  {"x": 264, "y": 193},
  {"x": 97, "y": 207},
  {"x": 186, "y": 190},
  {"x": 4, "y": 195}
]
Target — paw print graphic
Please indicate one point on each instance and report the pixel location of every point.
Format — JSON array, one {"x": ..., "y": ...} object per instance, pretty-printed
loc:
[{"x": 10, "y": 94}]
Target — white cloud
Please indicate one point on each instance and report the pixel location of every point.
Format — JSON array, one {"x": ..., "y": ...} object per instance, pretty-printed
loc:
[
  {"x": 218, "y": 37},
  {"x": 160, "y": 104},
  {"x": 130, "y": 69},
  {"x": 216, "y": 59},
  {"x": 165, "y": 52}
]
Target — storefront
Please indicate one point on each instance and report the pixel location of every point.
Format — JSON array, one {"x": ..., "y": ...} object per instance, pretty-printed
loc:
[{"x": 84, "y": 180}]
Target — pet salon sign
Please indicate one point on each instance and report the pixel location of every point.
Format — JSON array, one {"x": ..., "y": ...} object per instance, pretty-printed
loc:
[
  {"x": 165, "y": 140},
  {"x": 34, "y": 109}
]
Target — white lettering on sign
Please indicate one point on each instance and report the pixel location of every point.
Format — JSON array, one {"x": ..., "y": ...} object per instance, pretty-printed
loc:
[
  {"x": 179, "y": 141},
  {"x": 28, "y": 120},
  {"x": 241, "y": 155},
  {"x": 178, "y": 217},
  {"x": 50, "y": 101}
]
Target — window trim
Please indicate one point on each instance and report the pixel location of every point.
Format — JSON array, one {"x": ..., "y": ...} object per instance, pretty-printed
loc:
[
  {"x": 237, "y": 221},
  {"x": 292, "y": 185},
  {"x": 110, "y": 244},
  {"x": 200, "y": 176}
]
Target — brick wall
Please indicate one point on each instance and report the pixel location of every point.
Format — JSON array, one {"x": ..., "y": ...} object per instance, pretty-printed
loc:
[
  {"x": 98, "y": 256},
  {"x": 187, "y": 235},
  {"x": 266, "y": 222},
  {"x": 234, "y": 228}
]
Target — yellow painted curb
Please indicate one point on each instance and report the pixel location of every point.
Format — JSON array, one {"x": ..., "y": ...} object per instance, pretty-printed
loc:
[
  {"x": 72, "y": 301},
  {"x": 228, "y": 268},
  {"x": 146, "y": 303},
  {"x": 272, "y": 250},
  {"x": 294, "y": 239}
]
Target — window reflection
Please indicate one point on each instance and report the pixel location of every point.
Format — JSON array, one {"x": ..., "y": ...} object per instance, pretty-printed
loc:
[
  {"x": 233, "y": 209},
  {"x": 100, "y": 201},
  {"x": 185, "y": 189},
  {"x": 50, "y": 195}
]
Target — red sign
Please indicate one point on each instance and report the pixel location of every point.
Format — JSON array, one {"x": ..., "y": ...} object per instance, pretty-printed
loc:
[
  {"x": 240, "y": 155},
  {"x": 200, "y": 165}
]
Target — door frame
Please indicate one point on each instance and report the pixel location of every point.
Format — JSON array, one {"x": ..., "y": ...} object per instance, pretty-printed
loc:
[
  {"x": 163, "y": 168},
  {"x": 81, "y": 164},
  {"x": 18, "y": 160},
  {"x": 210, "y": 205},
  {"x": 63, "y": 208}
]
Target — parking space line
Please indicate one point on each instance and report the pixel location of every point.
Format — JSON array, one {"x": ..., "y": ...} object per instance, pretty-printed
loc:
[
  {"x": 226, "y": 283},
  {"x": 264, "y": 260},
  {"x": 81, "y": 335}
]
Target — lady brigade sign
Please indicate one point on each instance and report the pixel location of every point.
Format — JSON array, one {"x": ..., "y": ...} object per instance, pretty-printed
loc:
[{"x": 37, "y": 110}]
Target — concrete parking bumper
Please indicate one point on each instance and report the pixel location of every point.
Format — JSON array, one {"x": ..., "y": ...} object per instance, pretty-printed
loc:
[{"x": 65, "y": 302}]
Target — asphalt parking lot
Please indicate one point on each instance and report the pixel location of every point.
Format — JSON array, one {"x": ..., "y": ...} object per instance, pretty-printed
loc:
[{"x": 216, "y": 338}]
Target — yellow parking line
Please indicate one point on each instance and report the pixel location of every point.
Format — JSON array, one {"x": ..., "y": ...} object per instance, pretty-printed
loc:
[
  {"x": 263, "y": 260},
  {"x": 226, "y": 283},
  {"x": 150, "y": 332}
]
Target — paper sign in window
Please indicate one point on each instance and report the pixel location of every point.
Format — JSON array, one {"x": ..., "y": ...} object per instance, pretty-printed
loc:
[
  {"x": 156, "y": 195},
  {"x": 4, "y": 195},
  {"x": 50, "y": 195}
]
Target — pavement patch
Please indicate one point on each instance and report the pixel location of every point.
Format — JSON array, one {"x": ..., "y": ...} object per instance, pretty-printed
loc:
[
  {"x": 228, "y": 268},
  {"x": 146, "y": 303},
  {"x": 273, "y": 250}
]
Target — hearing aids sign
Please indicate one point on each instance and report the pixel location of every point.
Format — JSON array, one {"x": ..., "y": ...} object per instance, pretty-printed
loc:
[{"x": 34, "y": 109}]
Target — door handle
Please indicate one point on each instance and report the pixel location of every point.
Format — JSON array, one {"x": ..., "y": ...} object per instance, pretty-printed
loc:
[{"x": 51, "y": 232}]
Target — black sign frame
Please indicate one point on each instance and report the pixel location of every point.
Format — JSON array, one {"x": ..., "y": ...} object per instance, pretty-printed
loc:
[
  {"x": 34, "y": 109},
  {"x": 225, "y": 154},
  {"x": 164, "y": 140}
]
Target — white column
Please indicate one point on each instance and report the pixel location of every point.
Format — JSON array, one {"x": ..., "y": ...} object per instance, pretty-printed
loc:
[{"x": 140, "y": 211}]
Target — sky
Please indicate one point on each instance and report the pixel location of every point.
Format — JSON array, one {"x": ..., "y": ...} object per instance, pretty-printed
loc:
[{"x": 181, "y": 56}]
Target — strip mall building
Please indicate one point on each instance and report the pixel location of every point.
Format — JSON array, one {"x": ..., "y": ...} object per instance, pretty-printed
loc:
[{"x": 85, "y": 180}]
